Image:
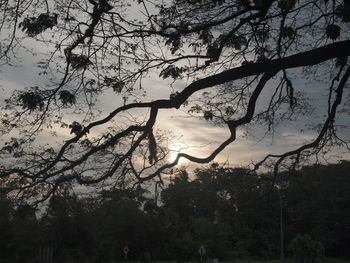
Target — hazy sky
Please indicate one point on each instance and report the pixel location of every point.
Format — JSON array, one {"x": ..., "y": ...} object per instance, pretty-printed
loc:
[{"x": 194, "y": 136}]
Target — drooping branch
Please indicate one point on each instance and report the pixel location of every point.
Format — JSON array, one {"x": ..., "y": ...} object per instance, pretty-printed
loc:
[
  {"x": 14, "y": 30},
  {"x": 232, "y": 125},
  {"x": 308, "y": 58},
  {"x": 326, "y": 126},
  {"x": 302, "y": 59},
  {"x": 57, "y": 170}
]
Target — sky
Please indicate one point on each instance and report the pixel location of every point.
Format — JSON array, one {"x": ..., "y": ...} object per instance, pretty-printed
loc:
[{"x": 191, "y": 135}]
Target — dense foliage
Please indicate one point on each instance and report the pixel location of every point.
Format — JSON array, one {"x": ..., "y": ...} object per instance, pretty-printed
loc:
[{"x": 233, "y": 213}]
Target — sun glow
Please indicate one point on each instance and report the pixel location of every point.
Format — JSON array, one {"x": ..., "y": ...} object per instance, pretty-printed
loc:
[{"x": 174, "y": 150}]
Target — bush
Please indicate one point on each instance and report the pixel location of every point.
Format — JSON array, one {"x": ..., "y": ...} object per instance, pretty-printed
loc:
[{"x": 306, "y": 250}]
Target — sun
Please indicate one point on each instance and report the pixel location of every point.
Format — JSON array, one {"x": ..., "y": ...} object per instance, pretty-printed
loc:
[{"x": 174, "y": 149}]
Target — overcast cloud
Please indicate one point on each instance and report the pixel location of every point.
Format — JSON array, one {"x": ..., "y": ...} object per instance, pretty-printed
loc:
[{"x": 197, "y": 136}]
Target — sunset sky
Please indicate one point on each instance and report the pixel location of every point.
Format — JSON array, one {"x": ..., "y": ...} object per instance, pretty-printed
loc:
[{"x": 191, "y": 135}]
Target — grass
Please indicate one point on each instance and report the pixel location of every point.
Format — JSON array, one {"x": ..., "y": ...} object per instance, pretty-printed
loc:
[{"x": 326, "y": 260}]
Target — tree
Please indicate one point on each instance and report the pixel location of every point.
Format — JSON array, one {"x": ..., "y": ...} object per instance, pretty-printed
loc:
[
  {"x": 315, "y": 206},
  {"x": 239, "y": 207},
  {"x": 192, "y": 211},
  {"x": 24, "y": 228},
  {"x": 234, "y": 50},
  {"x": 5, "y": 227},
  {"x": 66, "y": 222},
  {"x": 223, "y": 209}
]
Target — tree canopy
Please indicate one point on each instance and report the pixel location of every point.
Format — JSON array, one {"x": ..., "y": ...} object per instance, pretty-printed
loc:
[
  {"x": 222, "y": 54},
  {"x": 225, "y": 210}
]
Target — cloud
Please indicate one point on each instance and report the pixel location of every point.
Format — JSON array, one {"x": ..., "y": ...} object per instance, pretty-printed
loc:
[{"x": 200, "y": 137}]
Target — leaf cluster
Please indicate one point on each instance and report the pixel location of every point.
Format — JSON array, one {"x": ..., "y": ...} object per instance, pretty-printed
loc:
[
  {"x": 36, "y": 25},
  {"x": 172, "y": 71},
  {"x": 32, "y": 99},
  {"x": 67, "y": 98},
  {"x": 79, "y": 61},
  {"x": 115, "y": 83}
]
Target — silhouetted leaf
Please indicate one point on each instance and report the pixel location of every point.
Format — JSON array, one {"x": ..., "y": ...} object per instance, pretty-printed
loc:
[
  {"x": 36, "y": 25},
  {"x": 287, "y": 32},
  {"x": 333, "y": 31},
  {"x": 32, "y": 99},
  {"x": 76, "y": 128},
  {"x": 208, "y": 115},
  {"x": 172, "y": 71},
  {"x": 174, "y": 42},
  {"x": 79, "y": 61},
  {"x": 67, "y": 98},
  {"x": 116, "y": 84}
]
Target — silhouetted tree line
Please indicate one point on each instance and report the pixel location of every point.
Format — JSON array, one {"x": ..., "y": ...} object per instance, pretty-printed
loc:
[{"x": 232, "y": 213}]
